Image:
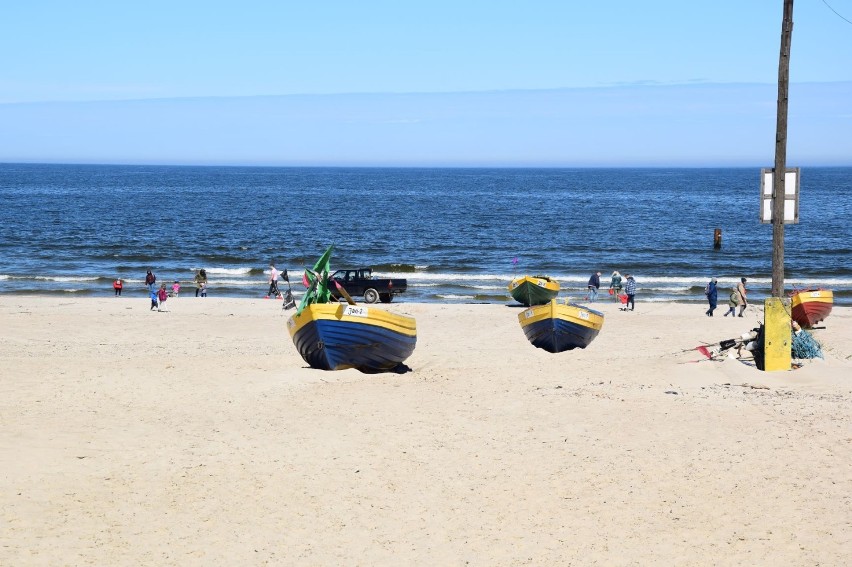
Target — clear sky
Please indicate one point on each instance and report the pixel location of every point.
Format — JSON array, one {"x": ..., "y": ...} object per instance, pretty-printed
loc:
[{"x": 422, "y": 83}]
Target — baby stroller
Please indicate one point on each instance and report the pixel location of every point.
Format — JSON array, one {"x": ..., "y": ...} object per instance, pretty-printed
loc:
[
  {"x": 622, "y": 297},
  {"x": 289, "y": 301}
]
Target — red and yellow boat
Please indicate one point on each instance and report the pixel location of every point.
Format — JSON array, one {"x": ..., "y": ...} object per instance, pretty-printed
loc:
[{"x": 811, "y": 306}]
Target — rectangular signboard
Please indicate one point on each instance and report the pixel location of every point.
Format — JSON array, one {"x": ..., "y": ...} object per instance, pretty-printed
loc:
[{"x": 791, "y": 195}]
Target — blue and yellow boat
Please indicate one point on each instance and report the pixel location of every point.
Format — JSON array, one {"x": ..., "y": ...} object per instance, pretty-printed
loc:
[
  {"x": 557, "y": 327},
  {"x": 335, "y": 336},
  {"x": 533, "y": 290}
]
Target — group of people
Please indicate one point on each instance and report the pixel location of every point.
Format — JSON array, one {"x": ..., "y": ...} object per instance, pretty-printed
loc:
[
  {"x": 737, "y": 298},
  {"x": 617, "y": 284},
  {"x": 160, "y": 295}
]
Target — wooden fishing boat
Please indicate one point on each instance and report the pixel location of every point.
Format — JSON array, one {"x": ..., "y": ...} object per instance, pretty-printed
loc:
[
  {"x": 533, "y": 290},
  {"x": 811, "y": 306},
  {"x": 330, "y": 335},
  {"x": 557, "y": 327},
  {"x": 336, "y": 336}
]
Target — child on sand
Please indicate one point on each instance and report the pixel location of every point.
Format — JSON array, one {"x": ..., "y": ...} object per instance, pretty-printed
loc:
[
  {"x": 175, "y": 288},
  {"x": 162, "y": 296},
  {"x": 203, "y": 289}
]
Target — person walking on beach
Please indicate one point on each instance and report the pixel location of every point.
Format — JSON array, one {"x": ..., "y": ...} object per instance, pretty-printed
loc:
[
  {"x": 594, "y": 286},
  {"x": 117, "y": 285},
  {"x": 742, "y": 292},
  {"x": 630, "y": 290},
  {"x": 203, "y": 288},
  {"x": 712, "y": 293},
  {"x": 615, "y": 285},
  {"x": 162, "y": 296},
  {"x": 273, "y": 282},
  {"x": 150, "y": 280},
  {"x": 175, "y": 288},
  {"x": 733, "y": 300},
  {"x": 200, "y": 278}
]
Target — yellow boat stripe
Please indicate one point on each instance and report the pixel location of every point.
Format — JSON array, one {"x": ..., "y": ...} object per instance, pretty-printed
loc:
[{"x": 354, "y": 314}]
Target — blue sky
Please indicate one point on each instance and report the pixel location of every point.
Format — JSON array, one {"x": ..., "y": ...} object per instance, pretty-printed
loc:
[{"x": 422, "y": 83}]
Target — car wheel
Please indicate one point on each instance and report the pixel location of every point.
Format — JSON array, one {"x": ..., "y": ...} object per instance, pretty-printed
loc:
[{"x": 371, "y": 295}]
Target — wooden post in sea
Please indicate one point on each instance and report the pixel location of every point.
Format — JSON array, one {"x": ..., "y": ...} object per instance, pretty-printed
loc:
[{"x": 777, "y": 340}]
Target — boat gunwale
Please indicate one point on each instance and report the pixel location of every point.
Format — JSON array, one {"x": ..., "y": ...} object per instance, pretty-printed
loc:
[{"x": 402, "y": 324}]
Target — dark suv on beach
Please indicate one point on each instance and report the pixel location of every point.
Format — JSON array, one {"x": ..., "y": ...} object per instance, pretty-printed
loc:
[{"x": 361, "y": 282}]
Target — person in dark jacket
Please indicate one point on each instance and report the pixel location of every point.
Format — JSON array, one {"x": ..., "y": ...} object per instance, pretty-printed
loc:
[
  {"x": 200, "y": 281},
  {"x": 615, "y": 286},
  {"x": 630, "y": 290},
  {"x": 594, "y": 286},
  {"x": 150, "y": 280},
  {"x": 712, "y": 294}
]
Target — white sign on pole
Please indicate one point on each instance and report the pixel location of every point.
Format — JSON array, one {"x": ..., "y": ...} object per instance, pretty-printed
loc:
[{"x": 791, "y": 195}]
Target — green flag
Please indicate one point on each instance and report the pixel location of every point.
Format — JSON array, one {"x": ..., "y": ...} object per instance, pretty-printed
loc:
[{"x": 317, "y": 279}]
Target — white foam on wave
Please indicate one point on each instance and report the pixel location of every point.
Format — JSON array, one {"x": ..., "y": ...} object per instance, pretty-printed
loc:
[
  {"x": 64, "y": 278},
  {"x": 827, "y": 282},
  {"x": 228, "y": 271},
  {"x": 469, "y": 285},
  {"x": 240, "y": 283},
  {"x": 648, "y": 281}
]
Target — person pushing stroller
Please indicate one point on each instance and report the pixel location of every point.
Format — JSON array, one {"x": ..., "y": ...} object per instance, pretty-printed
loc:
[{"x": 273, "y": 283}]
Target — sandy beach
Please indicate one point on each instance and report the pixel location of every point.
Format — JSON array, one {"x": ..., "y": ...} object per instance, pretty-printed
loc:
[{"x": 200, "y": 437}]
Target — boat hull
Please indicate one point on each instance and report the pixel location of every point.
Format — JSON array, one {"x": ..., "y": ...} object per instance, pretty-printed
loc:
[
  {"x": 811, "y": 306},
  {"x": 557, "y": 327},
  {"x": 334, "y": 336},
  {"x": 533, "y": 290}
]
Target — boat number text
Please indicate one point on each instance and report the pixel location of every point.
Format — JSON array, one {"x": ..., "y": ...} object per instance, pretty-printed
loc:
[
  {"x": 355, "y": 311},
  {"x": 584, "y": 315}
]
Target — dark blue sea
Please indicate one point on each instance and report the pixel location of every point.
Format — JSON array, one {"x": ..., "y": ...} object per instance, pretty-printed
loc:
[{"x": 457, "y": 235}]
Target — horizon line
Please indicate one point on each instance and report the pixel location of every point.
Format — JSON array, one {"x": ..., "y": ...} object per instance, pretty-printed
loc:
[
  {"x": 409, "y": 166},
  {"x": 634, "y": 84}
]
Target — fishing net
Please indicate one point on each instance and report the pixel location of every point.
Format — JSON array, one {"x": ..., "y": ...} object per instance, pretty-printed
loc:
[{"x": 805, "y": 346}]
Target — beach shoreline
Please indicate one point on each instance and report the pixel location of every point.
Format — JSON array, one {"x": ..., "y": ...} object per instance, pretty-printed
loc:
[{"x": 199, "y": 436}]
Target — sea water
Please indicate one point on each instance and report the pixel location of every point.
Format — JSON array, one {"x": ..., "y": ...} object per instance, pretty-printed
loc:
[{"x": 457, "y": 235}]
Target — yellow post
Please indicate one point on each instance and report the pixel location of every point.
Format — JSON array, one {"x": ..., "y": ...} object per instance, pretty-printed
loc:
[{"x": 777, "y": 334}]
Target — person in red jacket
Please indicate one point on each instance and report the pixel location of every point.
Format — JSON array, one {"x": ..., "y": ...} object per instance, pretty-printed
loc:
[
  {"x": 117, "y": 285},
  {"x": 162, "y": 297}
]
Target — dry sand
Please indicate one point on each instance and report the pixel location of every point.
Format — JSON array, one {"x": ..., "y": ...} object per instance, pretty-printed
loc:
[{"x": 200, "y": 437}]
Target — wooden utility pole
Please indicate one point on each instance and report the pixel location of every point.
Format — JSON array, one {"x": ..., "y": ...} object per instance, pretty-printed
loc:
[{"x": 778, "y": 175}]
